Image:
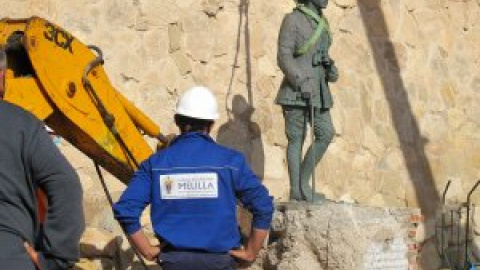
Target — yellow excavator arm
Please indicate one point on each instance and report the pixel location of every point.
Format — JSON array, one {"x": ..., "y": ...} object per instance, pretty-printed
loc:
[{"x": 62, "y": 82}]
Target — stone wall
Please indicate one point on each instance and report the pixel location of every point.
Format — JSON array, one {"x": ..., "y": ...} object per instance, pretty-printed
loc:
[{"x": 406, "y": 105}]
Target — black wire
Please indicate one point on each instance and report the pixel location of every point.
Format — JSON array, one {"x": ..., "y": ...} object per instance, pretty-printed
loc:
[
  {"x": 107, "y": 117},
  {"x": 110, "y": 201}
]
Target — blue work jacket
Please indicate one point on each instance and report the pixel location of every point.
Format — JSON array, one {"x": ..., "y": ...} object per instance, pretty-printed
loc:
[{"x": 193, "y": 187}]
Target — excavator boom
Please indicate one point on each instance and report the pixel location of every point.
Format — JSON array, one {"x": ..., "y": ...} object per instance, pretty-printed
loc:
[{"x": 62, "y": 82}]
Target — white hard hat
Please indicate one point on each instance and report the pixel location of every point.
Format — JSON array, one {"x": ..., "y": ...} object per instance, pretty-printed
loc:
[{"x": 198, "y": 102}]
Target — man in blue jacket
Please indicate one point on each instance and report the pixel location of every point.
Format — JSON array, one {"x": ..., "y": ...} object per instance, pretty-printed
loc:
[{"x": 193, "y": 187}]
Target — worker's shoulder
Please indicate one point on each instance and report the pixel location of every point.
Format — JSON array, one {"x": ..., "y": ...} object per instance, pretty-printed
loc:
[{"x": 14, "y": 112}]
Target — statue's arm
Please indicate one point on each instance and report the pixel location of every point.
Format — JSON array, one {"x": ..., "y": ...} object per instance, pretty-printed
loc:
[
  {"x": 287, "y": 38},
  {"x": 328, "y": 64},
  {"x": 331, "y": 70}
]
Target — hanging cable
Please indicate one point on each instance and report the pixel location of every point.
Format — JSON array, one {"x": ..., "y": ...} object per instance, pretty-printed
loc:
[{"x": 110, "y": 201}]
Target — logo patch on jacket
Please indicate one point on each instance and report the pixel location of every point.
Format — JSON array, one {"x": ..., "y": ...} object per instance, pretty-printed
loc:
[{"x": 189, "y": 186}]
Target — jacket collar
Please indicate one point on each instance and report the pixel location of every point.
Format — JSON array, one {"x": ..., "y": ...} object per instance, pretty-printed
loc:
[{"x": 192, "y": 136}]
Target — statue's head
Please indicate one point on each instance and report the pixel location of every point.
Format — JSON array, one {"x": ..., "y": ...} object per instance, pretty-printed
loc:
[{"x": 320, "y": 4}]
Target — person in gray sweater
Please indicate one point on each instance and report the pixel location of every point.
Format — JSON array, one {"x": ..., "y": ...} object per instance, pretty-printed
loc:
[{"x": 29, "y": 161}]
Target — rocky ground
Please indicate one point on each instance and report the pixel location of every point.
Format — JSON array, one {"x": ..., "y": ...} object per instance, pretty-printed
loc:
[{"x": 330, "y": 236}]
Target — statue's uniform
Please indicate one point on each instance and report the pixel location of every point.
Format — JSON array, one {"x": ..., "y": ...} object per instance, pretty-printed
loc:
[{"x": 301, "y": 72}]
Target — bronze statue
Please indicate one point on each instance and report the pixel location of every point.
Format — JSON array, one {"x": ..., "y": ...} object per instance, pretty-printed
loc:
[{"x": 303, "y": 45}]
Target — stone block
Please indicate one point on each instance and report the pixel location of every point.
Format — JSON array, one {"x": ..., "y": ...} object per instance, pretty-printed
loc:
[
  {"x": 95, "y": 264},
  {"x": 175, "y": 37},
  {"x": 212, "y": 7},
  {"x": 182, "y": 62},
  {"x": 346, "y": 236},
  {"x": 345, "y": 3},
  {"x": 97, "y": 243}
]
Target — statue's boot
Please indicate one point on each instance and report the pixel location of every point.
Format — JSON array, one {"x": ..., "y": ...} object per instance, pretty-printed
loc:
[
  {"x": 317, "y": 196},
  {"x": 294, "y": 153},
  {"x": 295, "y": 194},
  {"x": 294, "y": 197}
]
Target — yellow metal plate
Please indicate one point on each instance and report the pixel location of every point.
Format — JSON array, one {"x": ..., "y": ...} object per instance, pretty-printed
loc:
[
  {"x": 59, "y": 60},
  {"x": 26, "y": 93}
]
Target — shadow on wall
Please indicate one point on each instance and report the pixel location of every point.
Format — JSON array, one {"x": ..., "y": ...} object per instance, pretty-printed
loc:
[
  {"x": 244, "y": 135},
  {"x": 411, "y": 141},
  {"x": 240, "y": 133}
]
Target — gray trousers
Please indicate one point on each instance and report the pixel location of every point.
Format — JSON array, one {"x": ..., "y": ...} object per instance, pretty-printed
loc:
[
  {"x": 297, "y": 118},
  {"x": 189, "y": 260},
  {"x": 13, "y": 254}
]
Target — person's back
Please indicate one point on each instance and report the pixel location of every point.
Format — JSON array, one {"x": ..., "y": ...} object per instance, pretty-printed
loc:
[
  {"x": 193, "y": 187},
  {"x": 212, "y": 177},
  {"x": 29, "y": 160}
]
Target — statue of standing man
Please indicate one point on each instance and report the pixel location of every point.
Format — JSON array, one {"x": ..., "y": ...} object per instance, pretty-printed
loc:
[{"x": 303, "y": 45}]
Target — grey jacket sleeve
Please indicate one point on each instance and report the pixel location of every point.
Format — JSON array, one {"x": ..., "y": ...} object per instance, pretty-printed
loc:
[
  {"x": 64, "y": 222},
  {"x": 287, "y": 46}
]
